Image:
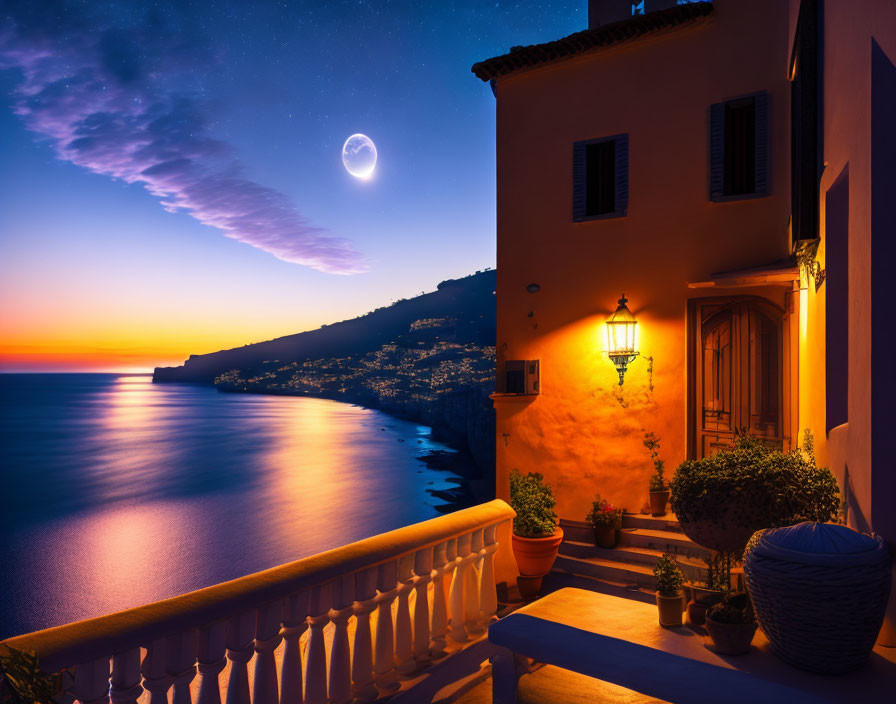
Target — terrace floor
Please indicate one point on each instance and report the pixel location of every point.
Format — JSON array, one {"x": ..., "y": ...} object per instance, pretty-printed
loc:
[{"x": 635, "y": 622}]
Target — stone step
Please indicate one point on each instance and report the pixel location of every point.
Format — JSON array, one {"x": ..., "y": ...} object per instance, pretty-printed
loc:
[
  {"x": 639, "y": 520},
  {"x": 555, "y": 580},
  {"x": 579, "y": 530},
  {"x": 662, "y": 540},
  {"x": 627, "y": 574},
  {"x": 693, "y": 568}
]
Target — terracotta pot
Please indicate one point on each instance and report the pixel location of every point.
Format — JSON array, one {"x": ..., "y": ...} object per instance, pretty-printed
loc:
[
  {"x": 535, "y": 556},
  {"x": 705, "y": 596},
  {"x": 731, "y": 638},
  {"x": 606, "y": 536},
  {"x": 670, "y": 610},
  {"x": 697, "y": 613},
  {"x": 529, "y": 586},
  {"x": 658, "y": 501}
]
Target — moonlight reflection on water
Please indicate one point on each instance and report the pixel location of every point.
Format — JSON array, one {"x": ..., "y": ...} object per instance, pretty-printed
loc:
[{"x": 120, "y": 492}]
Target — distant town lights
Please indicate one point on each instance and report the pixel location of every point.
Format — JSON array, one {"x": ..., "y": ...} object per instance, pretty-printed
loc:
[{"x": 622, "y": 337}]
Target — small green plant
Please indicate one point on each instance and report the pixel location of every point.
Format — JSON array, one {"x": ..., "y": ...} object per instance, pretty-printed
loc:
[
  {"x": 533, "y": 502},
  {"x": 668, "y": 575},
  {"x": 23, "y": 682},
  {"x": 652, "y": 443},
  {"x": 603, "y": 513}
]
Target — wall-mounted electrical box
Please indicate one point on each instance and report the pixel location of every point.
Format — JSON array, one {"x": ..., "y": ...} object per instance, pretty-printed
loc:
[{"x": 521, "y": 376}]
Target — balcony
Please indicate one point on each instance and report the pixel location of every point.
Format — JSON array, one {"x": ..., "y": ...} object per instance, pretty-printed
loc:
[{"x": 405, "y": 617}]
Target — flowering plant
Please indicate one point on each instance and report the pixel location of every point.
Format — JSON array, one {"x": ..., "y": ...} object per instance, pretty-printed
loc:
[{"x": 603, "y": 513}]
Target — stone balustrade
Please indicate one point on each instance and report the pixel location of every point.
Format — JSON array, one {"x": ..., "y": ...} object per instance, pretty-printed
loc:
[{"x": 421, "y": 585}]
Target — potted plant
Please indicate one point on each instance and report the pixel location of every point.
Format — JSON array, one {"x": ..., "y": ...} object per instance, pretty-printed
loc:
[
  {"x": 721, "y": 500},
  {"x": 536, "y": 536},
  {"x": 659, "y": 492},
  {"x": 605, "y": 520},
  {"x": 712, "y": 590},
  {"x": 668, "y": 591},
  {"x": 731, "y": 624}
]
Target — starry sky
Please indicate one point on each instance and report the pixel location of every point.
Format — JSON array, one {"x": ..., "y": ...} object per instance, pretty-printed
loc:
[{"x": 171, "y": 179}]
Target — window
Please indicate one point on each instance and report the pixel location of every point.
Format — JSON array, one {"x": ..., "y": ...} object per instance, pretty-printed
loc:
[
  {"x": 638, "y": 8},
  {"x": 600, "y": 178},
  {"x": 739, "y": 148}
]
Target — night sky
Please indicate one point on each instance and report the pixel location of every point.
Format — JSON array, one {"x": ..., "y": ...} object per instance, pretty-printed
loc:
[{"x": 172, "y": 182}]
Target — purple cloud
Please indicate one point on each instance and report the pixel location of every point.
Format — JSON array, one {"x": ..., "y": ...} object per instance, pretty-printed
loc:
[{"x": 101, "y": 95}]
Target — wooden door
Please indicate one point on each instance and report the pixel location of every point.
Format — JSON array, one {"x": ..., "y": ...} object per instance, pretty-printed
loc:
[{"x": 737, "y": 365}]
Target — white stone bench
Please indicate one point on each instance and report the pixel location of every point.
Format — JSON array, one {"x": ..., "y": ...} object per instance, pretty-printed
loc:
[{"x": 620, "y": 641}]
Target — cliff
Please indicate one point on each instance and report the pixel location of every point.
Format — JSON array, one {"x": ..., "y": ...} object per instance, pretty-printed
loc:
[
  {"x": 469, "y": 300},
  {"x": 430, "y": 359}
]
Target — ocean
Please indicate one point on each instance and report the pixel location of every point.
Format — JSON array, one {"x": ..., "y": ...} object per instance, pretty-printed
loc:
[{"x": 116, "y": 492}]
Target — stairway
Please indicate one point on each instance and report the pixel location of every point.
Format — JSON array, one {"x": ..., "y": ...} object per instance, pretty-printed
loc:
[{"x": 626, "y": 570}]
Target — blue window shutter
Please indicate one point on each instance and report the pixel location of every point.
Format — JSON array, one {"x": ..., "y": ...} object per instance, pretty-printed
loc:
[
  {"x": 578, "y": 181},
  {"x": 621, "y": 174},
  {"x": 716, "y": 151},
  {"x": 762, "y": 143}
]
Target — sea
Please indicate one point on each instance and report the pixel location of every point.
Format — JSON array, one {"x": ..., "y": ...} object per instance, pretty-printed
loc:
[{"x": 117, "y": 492}]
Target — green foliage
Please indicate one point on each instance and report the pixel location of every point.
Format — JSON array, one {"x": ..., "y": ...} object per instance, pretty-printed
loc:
[
  {"x": 23, "y": 682},
  {"x": 718, "y": 571},
  {"x": 603, "y": 513},
  {"x": 533, "y": 502},
  {"x": 734, "y": 608},
  {"x": 652, "y": 443},
  {"x": 668, "y": 575},
  {"x": 765, "y": 488}
]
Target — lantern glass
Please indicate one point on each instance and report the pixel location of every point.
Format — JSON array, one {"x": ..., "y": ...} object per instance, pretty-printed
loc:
[
  {"x": 622, "y": 337},
  {"x": 622, "y": 331}
]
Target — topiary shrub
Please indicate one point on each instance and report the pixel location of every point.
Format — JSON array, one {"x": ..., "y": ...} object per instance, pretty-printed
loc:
[
  {"x": 533, "y": 502},
  {"x": 723, "y": 499}
]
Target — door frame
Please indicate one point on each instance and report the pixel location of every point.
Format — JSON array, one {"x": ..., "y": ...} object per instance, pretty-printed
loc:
[{"x": 694, "y": 347}]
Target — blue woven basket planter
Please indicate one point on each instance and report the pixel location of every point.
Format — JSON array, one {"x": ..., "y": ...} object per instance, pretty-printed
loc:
[{"x": 820, "y": 592}]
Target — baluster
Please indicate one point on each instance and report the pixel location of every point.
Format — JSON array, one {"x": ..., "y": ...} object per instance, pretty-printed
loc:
[
  {"x": 384, "y": 650},
  {"x": 472, "y": 614},
  {"x": 362, "y": 657},
  {"x": 316, "y": 655},
  {"x": 125, "y": 680},
  {"x": 155, "y": 679},
  {"x": 439, "y": 624},
  {"x": 488, "y": 595},
  {"x": 267, "y": 638},
  {"x": 340, "y": 683},
  {"x": 423, "y": 572},
  {"x": 456, "y": 592},
  {"x": 295, "y": 609},
  {"x": 240, "y": 632},
  {"x": 91, "y": 685},
  {"x": 181, "y": 665},
  {"x": 404, "y": 649},
  {"x": 211, "y": 660}
]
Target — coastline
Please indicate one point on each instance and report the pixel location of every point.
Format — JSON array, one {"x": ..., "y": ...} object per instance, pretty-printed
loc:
[{"x": 474, "y": 484}]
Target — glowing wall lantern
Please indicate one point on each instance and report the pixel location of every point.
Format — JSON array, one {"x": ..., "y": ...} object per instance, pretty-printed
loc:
[{"x": 622, "y": 337}]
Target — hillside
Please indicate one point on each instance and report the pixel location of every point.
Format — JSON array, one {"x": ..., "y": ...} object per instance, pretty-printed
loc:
[
  {"x": 430, "y": 359},
  {"x": 469, "y": 301}
]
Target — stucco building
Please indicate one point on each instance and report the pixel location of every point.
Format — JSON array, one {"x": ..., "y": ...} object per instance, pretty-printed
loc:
[{"x": 726, "y": 165}]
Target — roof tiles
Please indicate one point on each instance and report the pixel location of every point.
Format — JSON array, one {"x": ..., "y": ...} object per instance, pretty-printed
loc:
[{"x": 526, "y": 57}]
